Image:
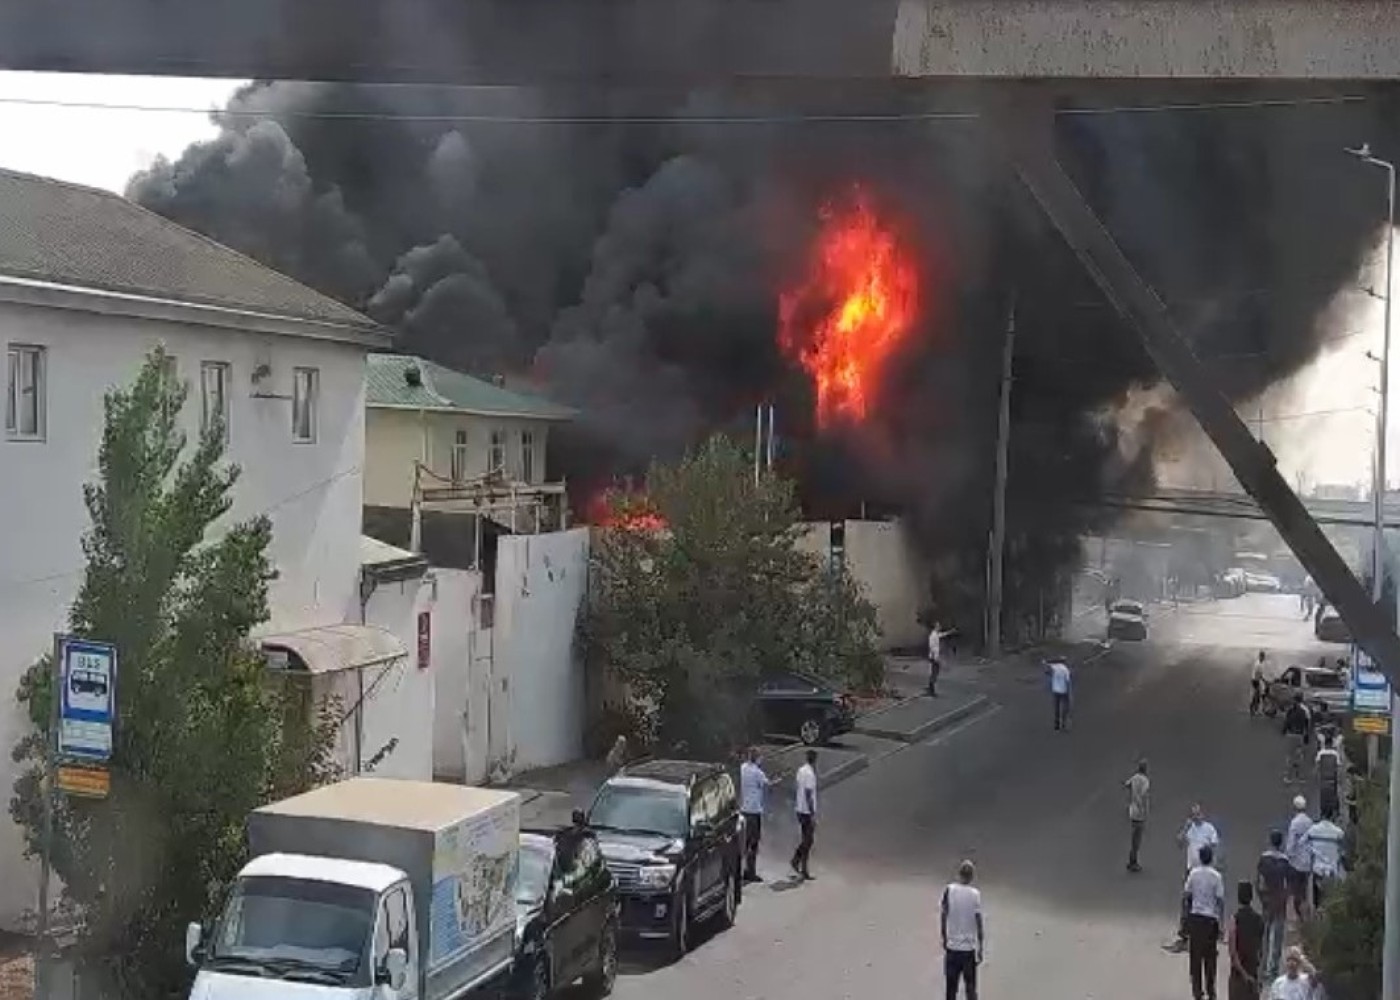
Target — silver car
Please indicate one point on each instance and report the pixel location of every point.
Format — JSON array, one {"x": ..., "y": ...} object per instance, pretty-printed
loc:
[{"x": 1318, "y": 686}]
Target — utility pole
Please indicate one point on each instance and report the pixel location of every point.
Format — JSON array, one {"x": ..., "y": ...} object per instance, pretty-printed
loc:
[
  {"x": 1390, "y": 959},
  {"x": 758, "y": 445},
  {"x": 995, "y": 556},
  {"x": 772, "y": 424}
]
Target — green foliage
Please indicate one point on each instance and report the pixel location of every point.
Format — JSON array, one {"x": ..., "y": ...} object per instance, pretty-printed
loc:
[
  {"x": 1346, "y": 940},
  {"x": 687, "y": 618},
  {"x": 203, "y": 735}
]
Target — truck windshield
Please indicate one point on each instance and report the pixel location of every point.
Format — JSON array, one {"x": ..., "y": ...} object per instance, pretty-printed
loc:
[
  {"x": 640, "y": 809},
  {"x": 287, "y": 925}
]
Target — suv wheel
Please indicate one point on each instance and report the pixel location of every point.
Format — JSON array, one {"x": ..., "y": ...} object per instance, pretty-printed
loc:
[
  {"x": 813, "y": 731},
  {"x": 730, "y": 907},
  {"x": 680, "y": 923},
  {"x": 536, "y": 986},
  {"x": 599, "y": 982}
]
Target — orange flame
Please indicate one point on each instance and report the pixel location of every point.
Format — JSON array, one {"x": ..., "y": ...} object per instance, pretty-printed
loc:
[
  {"x": 614, "y": 509},
  {"x": 848, "y": 317}
]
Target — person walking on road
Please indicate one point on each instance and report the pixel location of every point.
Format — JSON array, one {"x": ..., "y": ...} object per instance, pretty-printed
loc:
[
  {"x": 1196, "y": 835},
  {"x": 962, "y": 932},
  {"x": 1325, "y": 839},
  {"x": 1246, "y": 944},
  {"x": 1297, "y": 727},
  {"x": 1139, "y": 788},
  {"x": 1272, "y": 879},
  {"x": 1299, "y": 853},
  {"x": 1298, "y": 979},
  {"x": 1061, "y": 684},
  {"x": 936, "y": 635},
  {"x": 753, "y": 795},
  {"x": 1203, "y": 903},
  {"x": 1329, "y": 775},
  {"x": 1257, "y": 683},
  {"x": 806, "y": 808}
]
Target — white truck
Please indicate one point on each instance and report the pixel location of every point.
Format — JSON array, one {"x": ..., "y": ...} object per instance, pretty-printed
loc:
[{"x": 368, "y": 889}]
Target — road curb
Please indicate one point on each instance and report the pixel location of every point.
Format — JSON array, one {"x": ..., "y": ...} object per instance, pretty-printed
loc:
[{"x": 923, "y": 731}]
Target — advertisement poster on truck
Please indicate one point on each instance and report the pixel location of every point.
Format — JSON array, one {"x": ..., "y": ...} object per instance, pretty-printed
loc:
[{"x": 473, "y": 897}]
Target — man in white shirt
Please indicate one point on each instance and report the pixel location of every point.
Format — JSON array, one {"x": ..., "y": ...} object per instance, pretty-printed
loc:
[
  {"x": 1203, "y": 903},
  {"x": 1060, "y": 684},
  {"x": 1296, "y": 983},
  {"x": 1138, "y": 790},
  {"x": 753, "y": 795},
  {"x": 936, "y": 635},
  {"x": 1299, "y": 851},
  {"x": 806, "y": 808},
  {"x": 1197, "y": 835},
  {"x": 1325, "y": 839},
  {"x": 962, "y": 932}
]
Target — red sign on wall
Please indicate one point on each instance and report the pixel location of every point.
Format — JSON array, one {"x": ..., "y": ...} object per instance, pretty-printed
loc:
[{"x": 425, "y": 639}]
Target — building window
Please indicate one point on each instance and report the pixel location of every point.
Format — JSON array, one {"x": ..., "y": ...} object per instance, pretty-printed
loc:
[
  {"x": 306, "y": 390},
  {"x": 498, "y": 451},
  {"x": 24, "y": 397},
  {"x": 527, "y": 456},
  {"x": 459, "y": 457},
  {"x": 213, "y": 397}
]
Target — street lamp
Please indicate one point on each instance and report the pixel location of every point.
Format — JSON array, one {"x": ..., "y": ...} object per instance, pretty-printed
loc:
[{"x": 1390, "y": 961}]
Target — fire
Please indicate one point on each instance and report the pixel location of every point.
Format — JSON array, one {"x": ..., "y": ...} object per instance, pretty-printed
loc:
[
  {"x": 846, "y": 320},
  {"x": 615, "y": 509}
]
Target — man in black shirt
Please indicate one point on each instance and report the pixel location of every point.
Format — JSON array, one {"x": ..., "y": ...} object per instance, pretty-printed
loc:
[
  {"x": 1297, "y": 727},
  {"x": 1272, "y": 880},
  {"x": 1246, "y": 944}
]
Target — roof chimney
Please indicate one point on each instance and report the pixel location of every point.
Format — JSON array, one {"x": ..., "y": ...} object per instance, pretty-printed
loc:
[
  {"x": 499, "y": 380},
  {"x": 413, "y": 376}
]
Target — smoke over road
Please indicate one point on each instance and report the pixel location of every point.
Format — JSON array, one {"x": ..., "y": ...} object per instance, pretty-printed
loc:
[{"x": 636, "y": 269}]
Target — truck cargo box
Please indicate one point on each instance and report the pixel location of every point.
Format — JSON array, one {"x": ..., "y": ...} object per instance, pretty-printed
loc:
[{"x": 457, "y": 845}]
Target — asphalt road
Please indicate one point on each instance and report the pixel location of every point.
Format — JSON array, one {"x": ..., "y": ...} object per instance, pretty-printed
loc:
[{"x": 1042, "y": 814}]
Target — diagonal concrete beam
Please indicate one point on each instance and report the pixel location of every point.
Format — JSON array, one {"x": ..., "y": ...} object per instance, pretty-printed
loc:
[{"x": 1024, "y": 129}]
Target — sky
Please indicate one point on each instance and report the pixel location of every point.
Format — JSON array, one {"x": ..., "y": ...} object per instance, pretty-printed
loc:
[{"x": 99, "y": 131}]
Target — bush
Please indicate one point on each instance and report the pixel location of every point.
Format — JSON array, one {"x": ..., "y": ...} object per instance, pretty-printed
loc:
[{"x": 1346, "y": 939}]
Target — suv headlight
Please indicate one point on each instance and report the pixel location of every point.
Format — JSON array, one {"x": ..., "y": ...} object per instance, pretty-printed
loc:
[{"x": 656, "y": 876}]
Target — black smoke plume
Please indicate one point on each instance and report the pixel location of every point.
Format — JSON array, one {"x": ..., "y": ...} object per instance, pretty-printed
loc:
[{"x": 634, "y": 269}]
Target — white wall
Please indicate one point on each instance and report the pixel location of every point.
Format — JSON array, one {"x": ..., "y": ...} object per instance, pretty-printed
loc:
[
  {"x": 881, "y": 560},
  {"x": 462, "y": 679},
  {"x": 399, "y": 697},
  {"x": 312, "y": 492},
  {"x": 540, "y": 584}
]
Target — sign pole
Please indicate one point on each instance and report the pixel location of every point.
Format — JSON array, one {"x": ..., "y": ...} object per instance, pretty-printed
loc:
[{"x": 46, "y": 836}]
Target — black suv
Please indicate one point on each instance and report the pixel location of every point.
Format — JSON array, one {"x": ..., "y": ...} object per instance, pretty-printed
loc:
[
  {"x": 796, "y": 705},
  {"x": 566, "y": 915},
  {"x": 672, "y": 836}
]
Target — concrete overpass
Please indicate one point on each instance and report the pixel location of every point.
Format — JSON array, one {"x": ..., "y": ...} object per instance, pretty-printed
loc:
[
  {"x": 671, "y": 43},
  {"x": 1209, "y": 503}
]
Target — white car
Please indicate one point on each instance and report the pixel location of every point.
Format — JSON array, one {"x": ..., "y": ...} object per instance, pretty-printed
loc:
[
  {"x": 1262, "y": 583},
  {"x": 1127, "y": 620}
]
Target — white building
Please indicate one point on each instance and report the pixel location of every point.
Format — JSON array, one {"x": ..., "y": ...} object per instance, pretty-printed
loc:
[{"x": 89, "y": 284}]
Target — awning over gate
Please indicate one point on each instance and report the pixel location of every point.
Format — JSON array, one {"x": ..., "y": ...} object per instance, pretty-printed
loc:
[{"x": 332, "y": 648}]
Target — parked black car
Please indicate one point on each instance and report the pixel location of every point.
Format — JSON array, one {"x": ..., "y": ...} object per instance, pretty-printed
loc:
[
  {"x": 802, "y": 707},
  {"x": 566, "y": 915},
  {"x": 672, "y": 836}
]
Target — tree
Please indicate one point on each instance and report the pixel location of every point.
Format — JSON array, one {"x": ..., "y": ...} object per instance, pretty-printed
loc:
[
  {"x": 1348, "y": 938},
  {"x": 699, "y": 587},
  {"x": 203, "y": 735}
]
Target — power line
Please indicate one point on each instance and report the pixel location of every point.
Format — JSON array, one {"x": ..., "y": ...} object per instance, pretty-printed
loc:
[{"x": 854, "y": 118}]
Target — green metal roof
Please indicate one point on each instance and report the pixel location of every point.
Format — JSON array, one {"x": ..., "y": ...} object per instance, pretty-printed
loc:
[{"x": 387, "y": 384}]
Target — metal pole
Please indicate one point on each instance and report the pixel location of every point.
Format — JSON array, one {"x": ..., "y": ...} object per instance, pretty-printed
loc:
[
  {"x": 994, "y": 567},
  {"x": 758, "y": 446},
  {"x": 1390, "y": 963},
  {"x": 772, "y": 422},
  {"x": 43, "y": 967}
]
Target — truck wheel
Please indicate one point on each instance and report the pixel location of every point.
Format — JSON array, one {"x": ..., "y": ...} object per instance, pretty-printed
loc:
[
  {"x": 680, "y": 924},
  {"x": 599, "y": 982}
]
